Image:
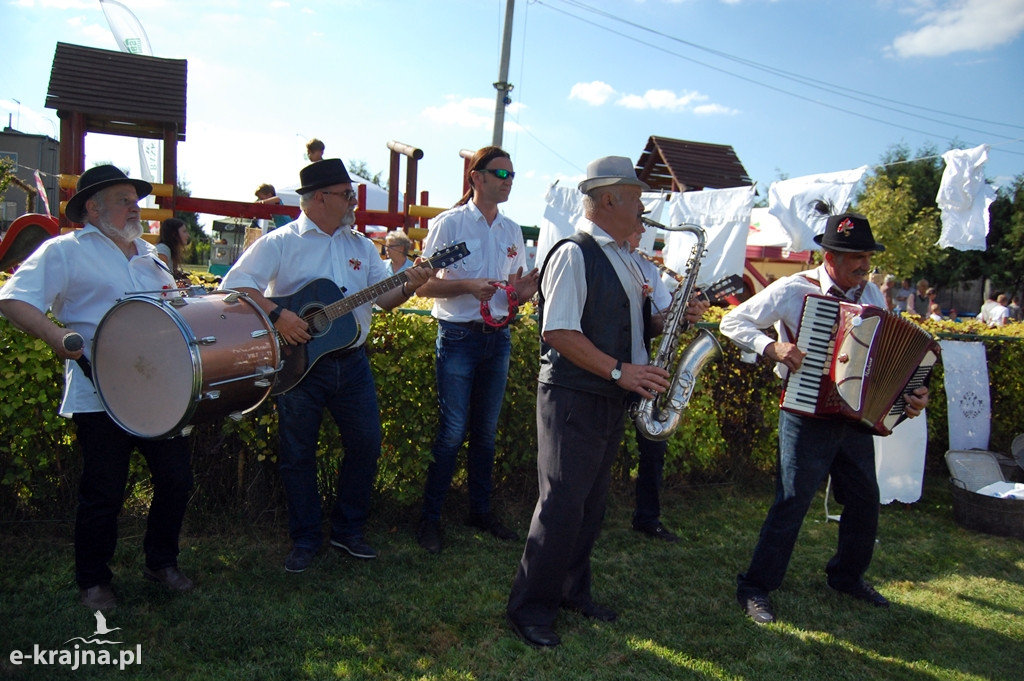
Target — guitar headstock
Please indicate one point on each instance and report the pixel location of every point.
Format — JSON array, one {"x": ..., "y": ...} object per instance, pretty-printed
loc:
[{"x": 449, "y": 255}]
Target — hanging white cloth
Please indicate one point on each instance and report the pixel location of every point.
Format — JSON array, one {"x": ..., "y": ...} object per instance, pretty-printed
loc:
[
  {"x": 724, "y": 214},
  {"x": 967, "y": 394},
  {"x": 899, "y": 460},
  {"x": 964, "y": 198},
  {"x": 793, "y": 203}
]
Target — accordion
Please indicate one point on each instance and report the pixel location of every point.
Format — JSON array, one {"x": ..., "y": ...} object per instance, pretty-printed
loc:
[{"x": 860, "y": 362}]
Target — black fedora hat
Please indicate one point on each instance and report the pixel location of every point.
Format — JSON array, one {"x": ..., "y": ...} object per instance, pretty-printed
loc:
[
  {"x": 95, "y": 179},
  {"x": 848, "y": 233},
  {"x": 322, "y": 174}
]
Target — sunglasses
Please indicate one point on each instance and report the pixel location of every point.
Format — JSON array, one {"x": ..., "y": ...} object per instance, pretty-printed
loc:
[{"x": 499, "y": 173}]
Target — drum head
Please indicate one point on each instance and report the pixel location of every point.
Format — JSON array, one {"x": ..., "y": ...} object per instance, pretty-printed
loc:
[{"x": 147, "y": 386}]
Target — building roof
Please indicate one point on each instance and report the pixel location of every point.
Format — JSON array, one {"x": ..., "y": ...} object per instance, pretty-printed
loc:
[
  {"x": 119, "y": 93},
  {"x": 680, "y": 165}
]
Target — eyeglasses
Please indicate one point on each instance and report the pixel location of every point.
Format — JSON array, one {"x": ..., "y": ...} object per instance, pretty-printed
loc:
[
  {"x": 499, "y": 173},
  {"x": 348, "y": 194}
]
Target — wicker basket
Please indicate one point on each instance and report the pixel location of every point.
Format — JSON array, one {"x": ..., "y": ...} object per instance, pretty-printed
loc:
[{"x": 991, "y": 515}]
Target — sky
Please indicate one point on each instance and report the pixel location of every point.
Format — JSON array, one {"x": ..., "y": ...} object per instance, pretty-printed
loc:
[{"x": 796, "y": 87}]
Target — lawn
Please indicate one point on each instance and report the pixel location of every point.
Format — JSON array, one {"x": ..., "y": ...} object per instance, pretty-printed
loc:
[{"x": 958, "y": 602}]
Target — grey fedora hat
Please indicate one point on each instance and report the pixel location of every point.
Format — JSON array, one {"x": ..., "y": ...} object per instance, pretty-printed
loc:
[{"x": 611, "y": 170}]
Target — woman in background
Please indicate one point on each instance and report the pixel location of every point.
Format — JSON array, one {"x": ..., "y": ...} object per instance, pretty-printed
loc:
[{"x": 174, "y": 237}]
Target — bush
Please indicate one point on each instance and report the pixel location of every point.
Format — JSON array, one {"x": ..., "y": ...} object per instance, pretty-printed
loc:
[{"x": 728, "y": 432}]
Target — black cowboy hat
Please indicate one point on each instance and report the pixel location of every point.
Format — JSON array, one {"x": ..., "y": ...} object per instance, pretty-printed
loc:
[
  {"x": 95, "y": 179},
  {"x": 848, "y": 233},
  {"x": 322, "y": 174}
]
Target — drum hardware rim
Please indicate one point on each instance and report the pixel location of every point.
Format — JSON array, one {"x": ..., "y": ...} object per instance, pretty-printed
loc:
[
  {"x": 259, "y": 333},
  {"x": 261, "y": 373},
  {"x": 205, "y": 340}
]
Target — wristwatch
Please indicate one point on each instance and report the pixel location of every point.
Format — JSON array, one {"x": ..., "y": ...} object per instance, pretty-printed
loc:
[{"x": 617, "y": 371}]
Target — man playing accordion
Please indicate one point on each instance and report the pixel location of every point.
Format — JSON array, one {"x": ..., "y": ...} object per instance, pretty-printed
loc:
[{"x": 812, "y": 448}]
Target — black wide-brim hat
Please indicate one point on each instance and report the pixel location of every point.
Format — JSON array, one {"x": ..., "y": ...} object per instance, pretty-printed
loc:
[
  {"x": 95, "y": 179},
  {"x": 848, "y": 233},
  {"x": 320, "y": 174}
]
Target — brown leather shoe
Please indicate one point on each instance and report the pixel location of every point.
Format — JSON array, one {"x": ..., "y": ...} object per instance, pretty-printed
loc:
[
  {"x": 99, "y": 597},
  {"x": 170, "y": 577}
]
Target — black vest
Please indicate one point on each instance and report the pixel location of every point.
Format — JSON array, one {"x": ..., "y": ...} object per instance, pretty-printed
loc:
[{"x": 605, "y": 322}]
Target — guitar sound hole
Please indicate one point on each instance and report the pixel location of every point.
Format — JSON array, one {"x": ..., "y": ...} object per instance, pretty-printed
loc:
[{"x": 318, "y": 323}]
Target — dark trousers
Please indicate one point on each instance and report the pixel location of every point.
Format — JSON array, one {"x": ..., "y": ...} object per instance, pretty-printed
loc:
[
  {"x": 578, "y": 437},
  {"x": 650, "y": 467},
  {"x": 810, "y": 450},
  {"x": 106, "y": 450}
]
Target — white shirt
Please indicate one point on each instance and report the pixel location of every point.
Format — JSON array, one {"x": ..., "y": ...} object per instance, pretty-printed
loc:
[
  {"x": 286, "y": 259},
  {"x": 782, "y": 304},
  {"x": 997, "y": 315},
  {"x": 79, "y": 276},
  {"x": 495, "y": 251},
  {"x": 565, "y": 272}
]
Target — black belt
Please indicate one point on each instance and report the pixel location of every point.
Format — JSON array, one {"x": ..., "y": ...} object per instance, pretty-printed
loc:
[
  {"x": 343, "y": 352},
  {"x": 478, "y": 327}
]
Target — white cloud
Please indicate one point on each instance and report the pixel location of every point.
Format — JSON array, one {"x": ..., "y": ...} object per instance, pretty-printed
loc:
[
  {"x": 594, "y": 93},
  {"x": 714, "y": 110},
  {"x": 661, "y": 99},
  {"x": 958, "y": 25},
  {"x": 471, "y": 112}
]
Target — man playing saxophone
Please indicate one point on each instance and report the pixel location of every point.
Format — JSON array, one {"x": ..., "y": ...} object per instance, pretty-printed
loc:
[{"x": 592, "y": 357}]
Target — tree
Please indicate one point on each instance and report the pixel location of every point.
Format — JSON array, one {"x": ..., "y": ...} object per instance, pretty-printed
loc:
[
  {"x": 361, "y": 169},
  {"x": 199, "y": 240},
  {"x": 908, "y": 231}
]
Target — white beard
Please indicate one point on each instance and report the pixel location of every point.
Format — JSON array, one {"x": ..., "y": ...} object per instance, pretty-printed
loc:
[
  {"x": 131, "y": 231},
  {"x": 348, "y": 219}
]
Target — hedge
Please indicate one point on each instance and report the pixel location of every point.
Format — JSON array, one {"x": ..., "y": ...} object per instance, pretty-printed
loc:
[{"x": 728, "y": 433}]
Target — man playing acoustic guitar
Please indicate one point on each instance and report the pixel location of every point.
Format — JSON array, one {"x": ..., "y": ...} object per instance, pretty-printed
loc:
[{"x": 316, "y": 250}]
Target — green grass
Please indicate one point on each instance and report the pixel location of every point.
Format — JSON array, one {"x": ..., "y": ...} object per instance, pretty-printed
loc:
[{"x": 958, "y": 602}]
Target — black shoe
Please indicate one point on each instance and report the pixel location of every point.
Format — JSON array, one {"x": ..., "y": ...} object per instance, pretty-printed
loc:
[
  {"x": 541, "y": 636},
  {"x": 758, "y": 608},
  {"x": 356, "y": 546},
  {"x": 658, "y": 531},
  {"x": 489, "y": 523},
  {"x": 428, "y": 535},
  {"x": 593, "y": 611},
  {"x": 298, "y": 559},
  {"x": 863, "y": 591},
  {"x": 171, "y": 577}
]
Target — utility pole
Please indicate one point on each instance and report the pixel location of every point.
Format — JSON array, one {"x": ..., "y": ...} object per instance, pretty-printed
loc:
[{"x": 503, "y": 86}]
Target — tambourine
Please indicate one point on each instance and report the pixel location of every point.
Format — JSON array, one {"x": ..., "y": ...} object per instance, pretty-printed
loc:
[{"x": 513, "y": 306}]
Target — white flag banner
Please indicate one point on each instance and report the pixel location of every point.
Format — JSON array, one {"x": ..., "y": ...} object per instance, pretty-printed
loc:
[
  {"x": 131, "y": 38},
  {"x": 793, "y": 202},
  {"x": 964, "y": 198},
  {"x": 967, "y": 396},
  {"x": 563, "y": 208},
  {"x": 765, "y": 230},
  {"x": 724, "y": 214}
]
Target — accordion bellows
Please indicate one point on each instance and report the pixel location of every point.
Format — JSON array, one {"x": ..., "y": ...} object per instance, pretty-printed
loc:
[{"x": 861, "y": 361}]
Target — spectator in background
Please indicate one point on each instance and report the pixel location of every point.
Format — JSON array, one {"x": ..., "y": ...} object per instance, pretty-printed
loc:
[
  {"x": 397, "y": 247},
  {"x": 266, "y": 193},
  {"x": 998, "y": 314},
  {"x": 936, "y": 313},
  {"x": 918, "y": 301},
  {"x": 986, "y": 307},
  {"x": 314, "y": 150},
  {"x": 174, "y": 237},
  {"x": 900, "y": 296},
  {"x": 953, "y": 316},
  {"x": 1016, "y": 314},
  {"x": 888, "y": 289}
]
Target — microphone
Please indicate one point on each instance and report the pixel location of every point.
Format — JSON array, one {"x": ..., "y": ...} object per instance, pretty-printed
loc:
[{"x": 73, "y": 342}]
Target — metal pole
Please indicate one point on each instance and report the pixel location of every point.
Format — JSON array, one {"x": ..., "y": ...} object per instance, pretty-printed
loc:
[{"x": 503, "y": 86}]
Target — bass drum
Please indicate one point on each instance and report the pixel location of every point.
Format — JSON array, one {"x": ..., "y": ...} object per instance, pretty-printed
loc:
[{"x": 160, "y": 365}]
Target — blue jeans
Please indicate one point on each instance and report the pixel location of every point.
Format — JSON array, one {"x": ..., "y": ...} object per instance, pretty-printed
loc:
[
  {"x": 472, "y": 369},
  {"x": 346, "y": 389},
  {"x": 810, "y": 449},
  {"x": 106, "y": 451}
]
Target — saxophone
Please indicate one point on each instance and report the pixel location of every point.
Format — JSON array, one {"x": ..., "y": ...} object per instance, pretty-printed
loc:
[{"x": 658, "y": 417}]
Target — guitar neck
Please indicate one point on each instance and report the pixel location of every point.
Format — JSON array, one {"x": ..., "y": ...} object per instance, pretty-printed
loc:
[{"x": 367, "y": 295}]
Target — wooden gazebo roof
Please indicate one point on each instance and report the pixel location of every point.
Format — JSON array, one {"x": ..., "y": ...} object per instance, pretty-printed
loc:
[
  {"x": 680, "y": 165},
  {"x": 119, "y": 93}
]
